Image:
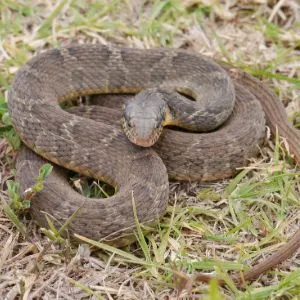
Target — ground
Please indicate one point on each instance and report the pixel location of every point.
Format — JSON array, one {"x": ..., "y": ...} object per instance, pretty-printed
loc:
[{"x": 218, "y": 227}]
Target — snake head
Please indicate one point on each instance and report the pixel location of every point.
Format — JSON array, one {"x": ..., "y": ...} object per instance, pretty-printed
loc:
[{"x": 144, "y": 117}]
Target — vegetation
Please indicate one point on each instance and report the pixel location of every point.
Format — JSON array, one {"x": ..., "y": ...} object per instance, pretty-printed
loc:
[{"x": 218, "y": 227}]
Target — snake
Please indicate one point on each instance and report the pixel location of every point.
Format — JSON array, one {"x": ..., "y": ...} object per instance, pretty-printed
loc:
[{"x": 180, "y": 91}]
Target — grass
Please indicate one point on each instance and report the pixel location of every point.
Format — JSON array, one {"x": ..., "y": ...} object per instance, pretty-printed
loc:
[{"x": 218, "y": 227}]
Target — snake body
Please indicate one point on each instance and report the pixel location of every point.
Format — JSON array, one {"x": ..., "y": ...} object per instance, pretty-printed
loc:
[{"x": 100, "y": 149}]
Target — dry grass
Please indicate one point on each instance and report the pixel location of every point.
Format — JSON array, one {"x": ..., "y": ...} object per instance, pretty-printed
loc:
[{"x": 220, "y": 226}]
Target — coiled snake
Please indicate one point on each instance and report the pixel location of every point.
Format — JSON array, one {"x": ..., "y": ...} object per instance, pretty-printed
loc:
[{"x": 101, "y": 150}]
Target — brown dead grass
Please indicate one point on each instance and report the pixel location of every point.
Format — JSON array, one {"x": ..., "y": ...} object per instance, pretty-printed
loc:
[{"x": 34, "y": 268}]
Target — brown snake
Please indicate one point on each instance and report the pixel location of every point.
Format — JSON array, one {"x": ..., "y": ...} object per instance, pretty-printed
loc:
[{"x": 101, "y": 150}]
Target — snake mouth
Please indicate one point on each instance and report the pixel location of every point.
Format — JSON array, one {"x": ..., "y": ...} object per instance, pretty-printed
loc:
[
  {"x": 145, "y": 142},
  {"x": 148, "y": 141}
]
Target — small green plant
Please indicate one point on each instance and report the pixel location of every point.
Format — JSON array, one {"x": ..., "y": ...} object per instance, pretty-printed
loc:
[
  {"x": 16, "y": 205},
  {"x": 54, "y": 234},
  {"x": 44, "y": 172},
  {"x": 6, "y": 129},
  {"x": 13, "y": 208},
  {"x": 91, "y": 188}
]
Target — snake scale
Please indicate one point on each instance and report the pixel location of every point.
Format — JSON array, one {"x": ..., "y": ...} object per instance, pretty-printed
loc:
[{"x": 99, "y": 148}]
